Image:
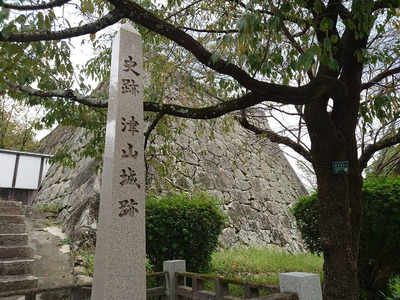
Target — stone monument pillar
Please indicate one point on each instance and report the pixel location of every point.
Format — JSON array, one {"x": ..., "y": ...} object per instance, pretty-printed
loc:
[{"x": 120, "y": 258}]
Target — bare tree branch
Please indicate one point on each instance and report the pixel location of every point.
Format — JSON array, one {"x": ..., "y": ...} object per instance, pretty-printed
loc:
[
  {"x": 387, "y": 141},
  {"x": 182, "y": 9},
  {"x": 111, "y": 18},
  {"x": 272, "y": 12},
  {"x": 226, "y": 31},
  {"x": 291, "y": 38},
  {"x": 66, "y": 94},
  {"x": 380, "y": 77},
  {"x": 43, "y": 5},
  {"x": 295, "y": 45},
  {"x": 274, "y": 137},
  {"x": 209, "y": 112},
  {"x": 151, "y": 127},
  {"x": 380, "y": 4},
  {"x": 393, "y": 159}
]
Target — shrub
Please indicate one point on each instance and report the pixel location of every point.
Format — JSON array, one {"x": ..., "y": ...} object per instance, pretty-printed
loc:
[
  {"x": 379, "y": 257},
  {"x": 305, "y": 211},
  {"x": 180, "y": 227}
]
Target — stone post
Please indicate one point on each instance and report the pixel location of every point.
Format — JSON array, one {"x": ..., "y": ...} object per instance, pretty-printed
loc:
[
  {"x": 306, "y": 285},
  {"x": 120, "y": 258},
  {"x": 173, "y": 266}
]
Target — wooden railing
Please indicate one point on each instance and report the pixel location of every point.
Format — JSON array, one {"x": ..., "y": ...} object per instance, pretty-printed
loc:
[
  {"x": 176, "y": 284},
  {"x": 188, "y": 286},
  {"x": 157, "y": 286},
  {"x": 210, "y": 287}
]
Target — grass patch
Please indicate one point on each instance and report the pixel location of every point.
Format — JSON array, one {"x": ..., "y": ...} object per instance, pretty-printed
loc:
[
  {"x": 257, "y": 265},
  {"x": 261, "y": 265},
  {"x": 89, "y": 264},
  {"x": 66, "y": 241},
  {"x": 55, "y": 207},
  {"x": 86, "y": 260}
]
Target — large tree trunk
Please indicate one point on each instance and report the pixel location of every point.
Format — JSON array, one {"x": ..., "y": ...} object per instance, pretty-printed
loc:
[
  {"x": 333, "y": 139},
  {"x": 340, "y": 219}
]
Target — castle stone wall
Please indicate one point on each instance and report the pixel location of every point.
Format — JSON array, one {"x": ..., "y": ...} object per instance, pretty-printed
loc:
[{"x": 250, "y": 174}]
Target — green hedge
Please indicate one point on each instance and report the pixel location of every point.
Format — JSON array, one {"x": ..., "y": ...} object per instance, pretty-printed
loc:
[
  {"x": 379, "y": 257},
  {"x": 183, "y": 227}
]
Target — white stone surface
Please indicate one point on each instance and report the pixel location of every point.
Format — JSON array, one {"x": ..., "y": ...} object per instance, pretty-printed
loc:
[
  {"x": 65, "y": 249},
  {"x": 306, "y": 285},
  {"x": 57, "y": 231}
]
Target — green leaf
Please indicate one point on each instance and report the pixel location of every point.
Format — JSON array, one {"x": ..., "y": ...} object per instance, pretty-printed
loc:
[
  {"x": 327, "y": 43},
  {"x": 88, "y": 7},
  {"x": 61, "y": 68},
  {"x": 227, "y": 38},
  {"x": 52, "y": 14},
  {"x": 215, "y": 57},
  {"x": 4, "y": 14},
  {"x": 6, "y": 32},
  {"x": 326, "y": 25},
  {"x": 40, "y": 23}
]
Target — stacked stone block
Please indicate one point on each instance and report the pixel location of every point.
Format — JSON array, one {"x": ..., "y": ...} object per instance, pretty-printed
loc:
[{"x": 16, "y": 263}]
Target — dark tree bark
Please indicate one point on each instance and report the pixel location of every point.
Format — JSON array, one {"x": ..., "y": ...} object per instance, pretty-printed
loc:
[
  {"x": 340, "y": 208},
  {"x": 333, "y": 139},
  {"x": 340, "y": 201}
]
